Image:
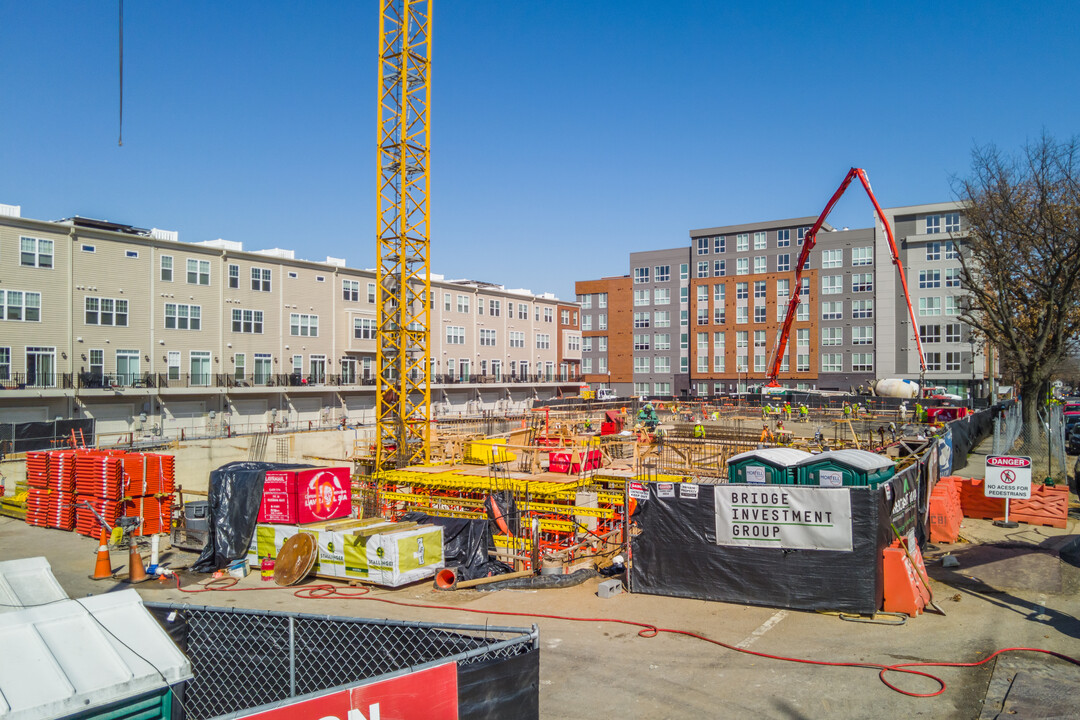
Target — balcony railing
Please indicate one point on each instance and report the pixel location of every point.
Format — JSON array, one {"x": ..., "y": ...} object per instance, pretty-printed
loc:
[
  {"x": 35, "y": 381},
  {"x": 109, "y": 381}
]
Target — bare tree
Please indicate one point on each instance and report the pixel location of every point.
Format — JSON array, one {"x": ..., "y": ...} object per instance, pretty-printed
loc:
[{"x": 1021, "y": 258}]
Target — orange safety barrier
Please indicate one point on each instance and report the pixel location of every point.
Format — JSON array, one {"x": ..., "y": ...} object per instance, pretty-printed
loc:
[
  {"x": 945, "y": 513},
  {"x": 1048, "y": 505},
  {"x": 905, "y": 590}
]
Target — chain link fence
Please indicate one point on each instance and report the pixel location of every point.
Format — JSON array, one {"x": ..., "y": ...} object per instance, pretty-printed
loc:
[
  {"x": 1046, "y": 446},
  {"x": 242, "y": 659}
]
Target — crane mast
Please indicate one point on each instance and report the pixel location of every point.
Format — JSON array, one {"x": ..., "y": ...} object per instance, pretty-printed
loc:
[
  {"x": 809, "y": 240},
  {"x": 403, "y": 289}
]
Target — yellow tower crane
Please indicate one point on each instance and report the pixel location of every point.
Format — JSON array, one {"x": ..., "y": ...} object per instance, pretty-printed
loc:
[{"x": 403, "y": 383}]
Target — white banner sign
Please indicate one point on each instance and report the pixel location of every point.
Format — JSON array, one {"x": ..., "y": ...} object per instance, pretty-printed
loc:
[
  {"x": 1007, "y": 477},
  {"x": 783, "y": 516}
]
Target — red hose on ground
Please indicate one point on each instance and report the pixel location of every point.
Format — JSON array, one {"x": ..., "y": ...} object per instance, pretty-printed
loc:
[{"x": 328, "y": 591}]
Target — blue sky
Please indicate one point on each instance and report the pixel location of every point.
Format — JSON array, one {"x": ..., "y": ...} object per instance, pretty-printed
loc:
[{"x": 565, "y": 134}]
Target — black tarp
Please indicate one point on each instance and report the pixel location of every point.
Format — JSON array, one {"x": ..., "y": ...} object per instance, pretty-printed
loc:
[
  {"x": 234, "y": 497},
  {"x": 29, "y": 436},
  {"x": 676, "y": 553},
  {"x": 968, "y": 432},
  {"x": 466, "y": 543},
  {"x": 503, "y": 688}
]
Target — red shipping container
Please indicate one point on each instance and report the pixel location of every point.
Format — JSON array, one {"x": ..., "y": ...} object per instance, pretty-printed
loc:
[{"x": 305, "y": 496}]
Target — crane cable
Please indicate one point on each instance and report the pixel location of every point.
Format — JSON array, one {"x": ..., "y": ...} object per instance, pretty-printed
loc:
[{"x": 120, "y": 141}]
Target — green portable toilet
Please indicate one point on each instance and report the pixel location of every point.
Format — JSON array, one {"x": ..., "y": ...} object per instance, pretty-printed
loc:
[
  {"x": 768, "y": 466},
  {"x": 837, "y": 468}
]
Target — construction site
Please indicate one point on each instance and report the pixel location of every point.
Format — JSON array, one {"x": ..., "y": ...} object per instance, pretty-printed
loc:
[{"x": 527, "y": 543}]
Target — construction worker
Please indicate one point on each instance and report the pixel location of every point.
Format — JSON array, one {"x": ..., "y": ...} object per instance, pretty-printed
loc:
[
  {"x": 588, "y": 424},
  {"x": 892, "y": 431},
  {"x": 765, "y": 409},
  {"x": 918, "y": 412},
  {"x": 846, "y": 410},
  {"x": 647, "y": 416},
  {"x": 716, "y": 415},
  {"x": 903, "y": 412},
  {"x": 855, "y": 410},
  {"x": 804, "y": 412},
  {"x": 699, "y": 430},
  {"x": 787, "y": 410}
]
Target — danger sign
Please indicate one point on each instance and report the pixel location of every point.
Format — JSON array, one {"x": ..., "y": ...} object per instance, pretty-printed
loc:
[{"x": 1007, "y": 477}]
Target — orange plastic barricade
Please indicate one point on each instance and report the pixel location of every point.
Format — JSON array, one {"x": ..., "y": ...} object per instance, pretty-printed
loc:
[{"x": 905, "y": 591}]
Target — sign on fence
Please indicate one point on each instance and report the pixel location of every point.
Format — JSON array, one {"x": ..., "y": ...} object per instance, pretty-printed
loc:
[
  {"x": 789, "y": 517},
  {"x": 1007, "y": 477}
]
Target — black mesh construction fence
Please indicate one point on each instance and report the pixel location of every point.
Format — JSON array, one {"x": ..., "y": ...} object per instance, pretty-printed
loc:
[
  {"x": 243, "y": 659},
  {"x": 28, "y": 436}
]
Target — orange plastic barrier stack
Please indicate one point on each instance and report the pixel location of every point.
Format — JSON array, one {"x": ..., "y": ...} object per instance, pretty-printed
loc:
[
  {"x": 37, "y": 469},
  {"x": 945, "y": 510},
  {"x": 905, "y": 591}
]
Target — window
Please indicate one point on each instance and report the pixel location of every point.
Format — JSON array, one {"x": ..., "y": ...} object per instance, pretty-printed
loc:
[
  {"x": 759, "y": 362},
  {"x": 641, "y": 297},
  {"x": 759, "y": 339},
  {"x": 517, "y": 340},
  {"x": 662, "y": 318},
  {"x": 703, "y": 363},
  {"x": 703, "y": 294},
  {"x": 703, "y": 246},
  {"x": 832, "y": 336},
  {"x": 350, "y": 290},
  {"x": 487, "y": 337},
  {"x": 463, "y": 303},
  {"x": 761, "y": 264},
  {"x": 862, "y": 309},
  {"x": 832, "y": 284},
  {"x": 26, "y": 306},
  {"x": 833, "y": 310},
  {"x": 239, "y": 366},
  {"x": 802, "y": 234},
  {"x": 234, "y": 276},
  {"x": 181, "y": 317},
  {"x": 602, "y": 343},
  {"x": 933, "y": 224},
  {"x": 104, "y": 311},
  {"x": 742, "y": 266},
  {"x": 641, "y": 275},
  {"x": 862, "y": 362},
  {"x": 97, "y": 363},
  {"x": 952, "y": 222},
  {"x": 480, "y": 306},
  {"x": 951, "y": 252},
  {"x": 760, "y": 241},
  {"x": 642, "y": 341},
  {"x": 933, "y": 251},
  {"x": 832, "y": 258},
  {"x": 953, "y": 332},
  {"x": 742, "y": 364},
  {"x": 742, "y": 315},
  {"x": 89, "y": 248},
  {"x": 703, "y": 315},
  {"x": 35, "y": 252},
  {"x": 684, "y": 271},
  {"x": 543, "y": 341},
  {"x": 586, "y": 322},
  {"x": 586, "y": 343},
  {"x": 703, "y": 269},
  {"x": 783, "y": 238},
  {"x": 371, "y": 294},
  {"x": 802, "y": 362},
  {"x": 601, "y": 321},
  {"x": 832, "y": 362},
  {"x": 684, "y": 295},
  {"x": 952, "y": 277},
  {"x": 929, "y": 334},
  {"x": 719, "y": 268},
  {"x": 549, "y": 315},
  {"x": 718, "y": 293},
  {"x": 199, "y": 365},
  {"x": 759, "y": 289},
  {"x": 742, "y": 339},
  {"x": 862, "y": 335},
  {"x": 260, "y": 279},
  {"x": 718, "y": 352},
  {"x": 247, "y": 321},
  {"x": 662, "y": 296},
  {"x": 742, "y": 290},
  {"x": 564, "y": 315},
  {"x": 641, "y": 319},
  {"x": 364, "y": 328},
  {"x": 929, "y": 306},
  {"x": 455, "y": 335},
  {"x": 662, "y": 364},
  {"x": 166, "y": 268},
  {"x": 641, "y": 364},
  {"x": 742, "y": 242},
  {"x": 929, "y": 278},
  {"x": 802, "y": 311},
  {"x": 662, "y": 341},
  {"x": 783, "y": 262},
  {"x": 802, "y": 337},
  {"x": 759, "y": 313},
  {"x": 523, "y": 309},
  {"x": 862, "y": 282},
  {"x": 304, "y": 325},
  {"x": 952, "y": 361},
  {"x": 198, "y": 272},
  {"x": 293, "y": 276},
  {"x": 862, "y": 256},
  {"x": 446, "y": 302},
  {"x": 719, "y": 244},
  {"x": 783, "y": 288},
  {"x": 952, "y": 305},
  {"x": 933, "y": 361},
  {"x": 663, "y": 273},
  {"x": 684, "y": 341}
]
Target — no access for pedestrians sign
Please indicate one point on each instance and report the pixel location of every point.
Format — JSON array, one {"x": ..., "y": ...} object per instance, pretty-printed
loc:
[{"x": 1007, "y": 477}]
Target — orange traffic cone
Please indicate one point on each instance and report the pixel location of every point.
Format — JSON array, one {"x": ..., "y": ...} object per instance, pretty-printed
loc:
[
  {"x": 136, "y": 571},
  {"x": 103, "y": 566}
]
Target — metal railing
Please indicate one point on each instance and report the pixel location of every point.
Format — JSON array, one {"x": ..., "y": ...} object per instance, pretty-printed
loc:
[
  {"x": 242, "y": 659},
  {"x": 35, "y": 381}
]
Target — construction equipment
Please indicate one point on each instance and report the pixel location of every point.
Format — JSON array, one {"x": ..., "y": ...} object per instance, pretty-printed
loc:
[
  {"x": 808, "y": 244},
  {"x": 403, "y": 289}
]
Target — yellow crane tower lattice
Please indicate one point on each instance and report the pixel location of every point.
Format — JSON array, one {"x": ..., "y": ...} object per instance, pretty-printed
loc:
[{"x": 403, "y": 389}]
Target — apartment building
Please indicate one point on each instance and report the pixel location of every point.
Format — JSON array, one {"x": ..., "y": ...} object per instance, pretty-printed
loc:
[
  {"x": 136, "y": 329},
  {"x": 706, "y": 317},
  {"x": 607, "y": 333}
]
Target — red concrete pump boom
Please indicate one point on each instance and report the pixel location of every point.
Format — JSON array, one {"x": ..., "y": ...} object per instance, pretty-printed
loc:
[{"x": 809, "y": 241}]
